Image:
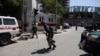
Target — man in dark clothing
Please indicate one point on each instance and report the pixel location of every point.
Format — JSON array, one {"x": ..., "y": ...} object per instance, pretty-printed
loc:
[
  {"x": 83, "y": 39},
  {"x": 34, "y": 29},
  {"x": 94, "y": 26},
  {"x": 49, "y": 34},
  {"x": 83, "y": 35},
  {"x": 76, "y": 27}
]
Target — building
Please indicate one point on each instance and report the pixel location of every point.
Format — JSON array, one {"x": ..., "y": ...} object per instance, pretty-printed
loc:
[
  {"x": 65, "y": 4},
  {"x": 31, "y": 5},
  {"x": 83, "y": 14},
  {"x": 47, "y": 18},
  {"x": 40, "y": 17}
]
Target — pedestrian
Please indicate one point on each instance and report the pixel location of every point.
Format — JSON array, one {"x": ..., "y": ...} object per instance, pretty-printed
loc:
[
  {"x": 34, "y": 30},
  {"x": 83, "y": 35},
  {"x": 49, "y": 34},
  {"x": 76, "y": 27},
  {"x": 94, "y": 26},
  {"x": 83, "y": 39}
]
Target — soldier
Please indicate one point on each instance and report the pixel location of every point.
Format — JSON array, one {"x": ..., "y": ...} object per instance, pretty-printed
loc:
[
  {"x": 49, "y": 33},
  {"x": 34, "y": 29},
  {"x": 76, "y": 27}
]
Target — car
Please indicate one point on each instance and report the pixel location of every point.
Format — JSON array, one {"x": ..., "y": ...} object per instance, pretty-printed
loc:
[
  {"x": 88, "y": 26},
  {"x": 98, "y": 25},
  {"x": 66, "y": 25},
  {"x": 91, "y": 26},
  {"x": 8, "y": 28},
  {"x": 90, "y": 42}
]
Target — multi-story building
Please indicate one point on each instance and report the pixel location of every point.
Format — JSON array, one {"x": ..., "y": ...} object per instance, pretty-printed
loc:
[
  {"x": 80, "y": 14},
  {"x": 83, "y": 14},
  {"x": 65, "y": 4}
]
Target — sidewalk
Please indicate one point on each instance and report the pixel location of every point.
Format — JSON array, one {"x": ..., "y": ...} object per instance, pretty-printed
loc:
[{"x": 27, "y": 35}]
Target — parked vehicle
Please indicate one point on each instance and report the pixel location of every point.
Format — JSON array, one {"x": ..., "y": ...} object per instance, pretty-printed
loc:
[
  {"x": 88, "y": 26},
  {"x": 91, "y": 26},
  {"x": 90, "y": 42},
  {"x": 66, "y": 25},
  {"x": 8, "y": 28},
  {"x": 98, "y": 25}
]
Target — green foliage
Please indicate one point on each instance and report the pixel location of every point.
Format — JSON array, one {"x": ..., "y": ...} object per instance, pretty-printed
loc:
[
  {"x": 60, "y": 9},
  {"x": 14, "y": 2},
  {"x": 52, "y": 5},
  {"x": 12, "y": 8},
  {"x": 39, "y": 1}
]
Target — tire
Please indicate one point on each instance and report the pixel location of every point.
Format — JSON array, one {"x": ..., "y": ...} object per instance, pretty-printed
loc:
[
  {"x": 95, "y": 54},
  {"x": 5, "y": 39},
  {"x": 99, "y": 54}
]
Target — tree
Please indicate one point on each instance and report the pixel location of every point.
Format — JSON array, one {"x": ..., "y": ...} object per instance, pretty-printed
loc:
[
  {"x": 60, "y": 9},
  {"x": 11, "y": 8},
  {"x": 51, "y": 5}
]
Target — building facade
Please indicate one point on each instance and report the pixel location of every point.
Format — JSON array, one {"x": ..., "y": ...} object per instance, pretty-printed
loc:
[
  {"x": 83, "y": 14},
  {"x": 40, "y": 17},
  {"x": 47, "y": 18},
  {"x": 31, "y": 5},
  {"x": 65, "y": 4}
]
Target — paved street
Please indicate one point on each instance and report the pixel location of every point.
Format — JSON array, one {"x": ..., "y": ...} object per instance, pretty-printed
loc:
[{"x": 66, "y": 42}]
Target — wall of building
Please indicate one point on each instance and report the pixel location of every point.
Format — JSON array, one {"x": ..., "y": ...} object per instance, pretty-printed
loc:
[
  {"x": 80, "y": 17},
  {"x": 47, "y": 18},
  {"x": 32, "y": 4}
]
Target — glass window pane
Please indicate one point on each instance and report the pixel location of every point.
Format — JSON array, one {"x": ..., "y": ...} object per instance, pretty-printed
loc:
[
  {"x": 42, "y": 19},
  {"x": 9, "y": 21},
  {"x": 52, "y": 20},
  {"x": 0, "y": 21},
  {"x": 49, "y": 19}
]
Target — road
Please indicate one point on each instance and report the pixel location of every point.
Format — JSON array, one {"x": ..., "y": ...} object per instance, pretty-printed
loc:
[{"x": 66, "y": 41}]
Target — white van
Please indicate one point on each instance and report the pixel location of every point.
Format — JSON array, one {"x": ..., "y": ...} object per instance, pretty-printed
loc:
[{"x": 8, "y": 28}]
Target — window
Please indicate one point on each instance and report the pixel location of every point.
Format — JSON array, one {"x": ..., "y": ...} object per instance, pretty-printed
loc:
[
  {"x": 41, "y": 19},
  {"x": 9, "y": 21},
  {"x": 50, "y": 19},
  {"x": 0, "y": 21}
]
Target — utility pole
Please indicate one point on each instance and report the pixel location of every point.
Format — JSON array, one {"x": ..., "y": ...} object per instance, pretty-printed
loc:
[
  {"x": 35, "y": 12},
  {"x": 55, "y": 16},
  {"x": 34, "y": 17},
  {"x": 22, "y": 8}
]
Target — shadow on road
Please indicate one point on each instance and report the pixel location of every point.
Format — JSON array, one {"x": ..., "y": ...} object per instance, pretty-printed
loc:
[
  {"x": 41, "y": 51},
  {"x": 86, "y": 55}
]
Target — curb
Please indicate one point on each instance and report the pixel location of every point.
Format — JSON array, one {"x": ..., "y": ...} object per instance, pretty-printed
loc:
[{"x": 24, "y": 35}]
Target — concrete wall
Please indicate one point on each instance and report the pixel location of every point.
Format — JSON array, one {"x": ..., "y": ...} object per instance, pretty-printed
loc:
[
  {"x": 45, "y": 19},
  {"x": 32, "y": 4}
]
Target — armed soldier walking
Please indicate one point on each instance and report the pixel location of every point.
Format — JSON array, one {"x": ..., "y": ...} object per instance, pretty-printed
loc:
[
  {"x": 49, "y": 33},
  {"x": 34, "y": 29}
]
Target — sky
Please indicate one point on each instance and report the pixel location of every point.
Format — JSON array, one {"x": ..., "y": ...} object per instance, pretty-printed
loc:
[{"x": 95, "y": 3}]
